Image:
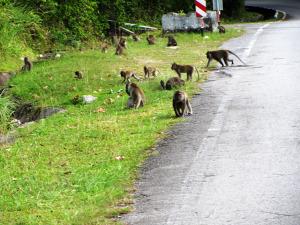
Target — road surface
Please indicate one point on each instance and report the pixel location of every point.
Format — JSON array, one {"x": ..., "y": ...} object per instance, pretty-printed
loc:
[{"x": 236, "y": 161}]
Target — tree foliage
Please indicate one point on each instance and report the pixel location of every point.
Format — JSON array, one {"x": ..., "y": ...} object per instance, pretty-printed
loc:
[{"x": 66, "y": 21}]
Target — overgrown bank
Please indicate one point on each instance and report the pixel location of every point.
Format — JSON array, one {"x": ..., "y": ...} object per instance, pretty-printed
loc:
[{"x": 66, "y": 169}]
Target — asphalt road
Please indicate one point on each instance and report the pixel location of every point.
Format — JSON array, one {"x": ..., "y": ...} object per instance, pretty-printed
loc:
[{"x": 236, "y": 161}]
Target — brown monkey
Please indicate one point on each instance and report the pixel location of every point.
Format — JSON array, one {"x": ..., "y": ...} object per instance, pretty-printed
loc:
[
  {"x": 128, "y": 74},
  {"x": 104, "y": 47},
  {"x": 181, "y": 104},
  {"x": 123, "y": 42},
  {"x": 188, "y": 69},
  {"x": 150, "y": 71},
  {"x": 119, "y": 50},
  {"x": 221, "y": 29},
  {"x": 219, "y": 55},
  {"x": 78, "y": 75},
  {"x": 136, "y": 95},
  {"x": 171, "y": 41},
  {"x": 172, "y": 82},
  {"x": 27, "y": 64},
  {"x": 135, "y": 37},
  {"x": 151, "y": 39}
]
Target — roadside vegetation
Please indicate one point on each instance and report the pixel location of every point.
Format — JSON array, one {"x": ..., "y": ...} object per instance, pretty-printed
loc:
[{"x": 79, "y": 167}]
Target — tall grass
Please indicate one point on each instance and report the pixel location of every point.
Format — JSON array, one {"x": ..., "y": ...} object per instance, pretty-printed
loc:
[
  {"x": 6, "y": 110},
  {"x": 19, "y": 30}
]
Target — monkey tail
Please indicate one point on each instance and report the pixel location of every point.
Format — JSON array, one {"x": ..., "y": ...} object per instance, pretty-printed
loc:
[
  {"x": 162, "y": 83},
  {"x": 197, "y": 73},
  {"x": 236, "y": 56}
]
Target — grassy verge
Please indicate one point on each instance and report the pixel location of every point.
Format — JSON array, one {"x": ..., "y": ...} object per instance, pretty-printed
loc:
[{"x": 63, "y": 170}]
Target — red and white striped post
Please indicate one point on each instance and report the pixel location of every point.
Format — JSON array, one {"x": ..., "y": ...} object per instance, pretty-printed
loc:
[{"x": 201, "y": 11}]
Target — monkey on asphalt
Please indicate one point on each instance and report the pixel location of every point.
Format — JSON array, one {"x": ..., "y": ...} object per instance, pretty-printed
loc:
[
  {"x": 151, "y": 39},
  {"x": 78, "y": 75},
  {"x": 218, "y": 55},
  {"x": 150, "y": 71},
  {"x": 171, "y": 41},
  {"x": 27, "y": 64},
  {"x": 172, "y": 83},
  {"x": 181, "y": 104},
  {"x": 188, "y": 69},
  {"x": 128, "y": 74},
  {"x": 136, "y": 95}
]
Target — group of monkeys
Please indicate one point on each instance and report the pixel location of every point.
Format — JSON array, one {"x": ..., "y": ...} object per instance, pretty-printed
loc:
[
  {"x": 181, "y": 103},
  {"x": 121, "y": 44}
]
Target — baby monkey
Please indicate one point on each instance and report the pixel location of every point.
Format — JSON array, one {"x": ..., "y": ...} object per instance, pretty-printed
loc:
[
  {"x": 171, "y": 41},
  {"x": 27, "y": 64},
  {"x": 172, "y": 83},
  {"x": 150, "y": 71},
  {"x": 128, "y": 74},
  {"x": 151, "y": 39},
  {"x": 78, "y": 75},
  {"x": 181, "y": 104},
  {"x": 136, "y": 95},
  {"x": 219, "y": 55}
]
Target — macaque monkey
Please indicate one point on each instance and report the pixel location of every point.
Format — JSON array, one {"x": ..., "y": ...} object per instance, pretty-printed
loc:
[
  {"x": 151, "y": 39},
  {"x": 128, "y": 74},
  {"x": 119, "y": 50},
  {"x": 171, "y": 41},
  {"x": 136, "y": 95},
  {"x": 78, "y": 75},
  {"x": 150, "y": 71},
  {"x": 172, "y": 83},
  {"x": 104, "y": 47},
  {"x": 123, "y": 42},
  {"x": 221, "y": 29},
  {"x": 135, "y": 37},
  {"x": 188, "y": 69},
  {"x": 181, "y": 104},
  {"x": 27, "y": 64},
  {"x": 219, "y": 55}
]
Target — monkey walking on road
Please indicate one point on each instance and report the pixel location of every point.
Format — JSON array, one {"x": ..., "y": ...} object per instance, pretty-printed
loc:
[
  {"x": 219, "y": 55},
  {"x": 181, "y": 104}
]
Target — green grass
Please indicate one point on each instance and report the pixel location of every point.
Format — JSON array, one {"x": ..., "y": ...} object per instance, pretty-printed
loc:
[{"x": 63, "y": 170}]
